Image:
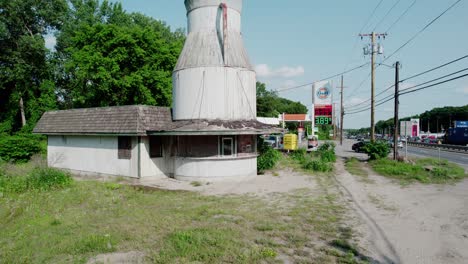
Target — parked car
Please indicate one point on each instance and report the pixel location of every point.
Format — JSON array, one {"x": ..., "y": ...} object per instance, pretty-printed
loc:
[
  {"x": 312, "y": 143},
  {"x": 274, "y": 141},
  {"x": 359, "y": 147}
]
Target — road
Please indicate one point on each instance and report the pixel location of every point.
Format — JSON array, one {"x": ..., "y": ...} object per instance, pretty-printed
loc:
[{"x": 459, "y": 158}]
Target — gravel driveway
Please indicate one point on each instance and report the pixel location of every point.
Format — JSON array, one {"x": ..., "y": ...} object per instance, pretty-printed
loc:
[{"x": 412, "y": 224}]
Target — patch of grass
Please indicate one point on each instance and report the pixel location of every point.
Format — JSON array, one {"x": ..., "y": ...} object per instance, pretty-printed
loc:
[
  {"x": 355, "y": 167},
  {"x": 196, "y": 184},
  {"x": 422, "y": 170},
  {"x": 320, "y": 161},
  {"x": 38, "y": 178},
  {"x": 380, "y": 203},
  {"x": 89, "y": 218}
]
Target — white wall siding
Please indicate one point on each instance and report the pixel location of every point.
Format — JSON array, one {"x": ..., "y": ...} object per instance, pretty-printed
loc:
[
  {"x": 91, "y": 154},
  {"x": 155, "y": 167},
  {"x": 215, "y": 169}
]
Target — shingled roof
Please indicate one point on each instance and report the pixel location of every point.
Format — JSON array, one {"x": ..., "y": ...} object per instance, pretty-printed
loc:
[{"x": 122, "y": 120}]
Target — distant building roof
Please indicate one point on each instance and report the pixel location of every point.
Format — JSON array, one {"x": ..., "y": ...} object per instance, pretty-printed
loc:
[
  {"x": 295, "y": 117},
  {"x": 131, "y": 120},
  {"x": 269, "y": 120}
]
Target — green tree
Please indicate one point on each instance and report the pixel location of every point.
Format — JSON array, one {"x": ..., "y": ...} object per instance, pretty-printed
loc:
[
  {"x": 109, "y": 57},
  {"x": 269, "y": 104},
  {"x": 25, "y": 73}
]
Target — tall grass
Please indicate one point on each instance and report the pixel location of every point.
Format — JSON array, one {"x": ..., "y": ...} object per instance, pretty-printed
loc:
[
  {"x": 39, "y": 178},
  {"x": 422, "y": 170}
]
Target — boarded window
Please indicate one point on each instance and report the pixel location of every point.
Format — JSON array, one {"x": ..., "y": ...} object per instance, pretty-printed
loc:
[
  {"x": 125, "y": 148},
  {"x": 156, "y": 149},
  {"x": 197, "y": 146},
  {"x": 246, "y": 144}
]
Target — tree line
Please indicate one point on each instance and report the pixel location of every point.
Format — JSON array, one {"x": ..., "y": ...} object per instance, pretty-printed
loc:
[
  {"x": 104, "y": 56},
  {"x": 437, "y": 120}
]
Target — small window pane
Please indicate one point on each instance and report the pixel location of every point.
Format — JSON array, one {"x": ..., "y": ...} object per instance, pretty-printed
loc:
[
  {"x": 227, "y": 147},
  {"x": 156, "y": 147},
  {"x": 125, "y": 147}
]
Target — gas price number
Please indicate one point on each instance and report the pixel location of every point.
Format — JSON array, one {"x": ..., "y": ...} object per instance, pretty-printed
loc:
[{"x": 323, "y": 120}]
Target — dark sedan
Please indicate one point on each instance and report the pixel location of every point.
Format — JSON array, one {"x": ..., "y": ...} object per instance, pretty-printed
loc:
[{"x": 359, "y": 147}]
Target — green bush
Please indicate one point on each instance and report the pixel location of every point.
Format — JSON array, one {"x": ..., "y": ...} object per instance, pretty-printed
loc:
[
  {"x": 268, "y": 159},
  {"x": 40, "y": 178},
  {"x": 299, "y": 155},
  {"x": 377, "y": 150},
  {"x": 317, "y": 165},
  {"x": 19, "y": 148},
  {"x": 327, "y": 152}
]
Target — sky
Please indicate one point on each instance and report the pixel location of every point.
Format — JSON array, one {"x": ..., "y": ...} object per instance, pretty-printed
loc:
[{"x": 296, "y": 42}]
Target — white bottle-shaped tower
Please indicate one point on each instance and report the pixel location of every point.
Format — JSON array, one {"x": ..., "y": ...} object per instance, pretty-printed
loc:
[{"x": 213, "y": 79}]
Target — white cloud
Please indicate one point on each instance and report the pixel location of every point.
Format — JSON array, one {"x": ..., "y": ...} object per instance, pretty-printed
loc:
[
  {"x": 405, "y": 86},
  {"x": 354, "y": 101},
  {"x": 264, "y": 70},
  {"x": 464, "y": 90},
  {"x": 50, "y": 41}
]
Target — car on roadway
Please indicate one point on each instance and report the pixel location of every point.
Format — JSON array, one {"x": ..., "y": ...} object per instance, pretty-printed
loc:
[
  {"x": 312, "y": 143},
  {"x": 359, "y": 147}
]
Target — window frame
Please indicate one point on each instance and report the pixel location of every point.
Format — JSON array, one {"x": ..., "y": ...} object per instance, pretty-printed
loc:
[
  {"x": 233, "y": 146},
  {"x": 158, "y": 141},
  {"x": 124, "y": 147}
]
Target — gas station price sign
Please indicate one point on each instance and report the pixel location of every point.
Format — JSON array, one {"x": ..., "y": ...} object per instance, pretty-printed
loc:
[
  {"x": 323, "y": 120},
  {"x": 323, "y": 114}
]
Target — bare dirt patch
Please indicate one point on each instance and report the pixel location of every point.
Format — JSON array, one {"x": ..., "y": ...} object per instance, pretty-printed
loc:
[{"x": 426, "y": 223}]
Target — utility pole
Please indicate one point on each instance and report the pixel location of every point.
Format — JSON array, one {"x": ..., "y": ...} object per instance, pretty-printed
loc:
[
  {"x": 373, "y": 50},
  {"x": 342, "y": 113},
  {"x": 397, "y": 93}
]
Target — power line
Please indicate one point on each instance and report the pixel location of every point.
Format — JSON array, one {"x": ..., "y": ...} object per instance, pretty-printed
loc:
[
  {"x": 324, "y": 79},
  {"x": 423, "y": 29},
  {"x": 391, "y": 97},
  {"x": 435, "y": 68},
  {"x": 445, "y": 76},
  {"x": 435, "y": 84},
  {"x": 360, "y": 31},
  {"x": 417, "y": 75},
  {"x": 401, "y": 16},
  {"x": 370, "y": 17},
  {"x": 386, "y": 15}
]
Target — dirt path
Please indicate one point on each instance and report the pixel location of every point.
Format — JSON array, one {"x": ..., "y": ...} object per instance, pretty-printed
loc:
[{"x": 415, "y": 224}]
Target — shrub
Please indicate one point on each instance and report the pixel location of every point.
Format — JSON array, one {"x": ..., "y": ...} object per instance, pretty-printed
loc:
[
  {"x": 299, "y": 155},
  {"x": 19, "y": 148},
  {"x": 377, "y": 150},
  {"x": 39, "y": 178},
  {"x": 327, "y": 152},
  {"x": 268, "y": 159},
  {"x": 317, "y": 165}
]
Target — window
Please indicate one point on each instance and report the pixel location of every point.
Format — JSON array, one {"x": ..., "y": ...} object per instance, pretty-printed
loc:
[
  {"x": 125, "y": 148},
  {"x": 227, "y": 146},
  {"x": 198, "y": 146},
  {"x": 246, "y": 144},
  {"x": 155, "y": 147}
]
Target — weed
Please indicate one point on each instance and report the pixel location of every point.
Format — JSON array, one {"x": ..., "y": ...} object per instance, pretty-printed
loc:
[
  {"x": 423, "y": 170},
  {"x": 196, "y": 184},
  {"x": 268, "y": 159}
]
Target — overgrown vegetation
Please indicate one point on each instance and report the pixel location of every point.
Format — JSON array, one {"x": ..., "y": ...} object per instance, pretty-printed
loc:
[
  {"x": 354, "y": 166},
  {"x": 39, "y": 178},
  {"x": 319, "y": 161},
  {"x": 267, "y": 159},
  {"x": 21, "y": 147},
  {"x": 85, "y": 219},
  {"x": 421, "y": 170},
  {"x": 377, "y": 150}
]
